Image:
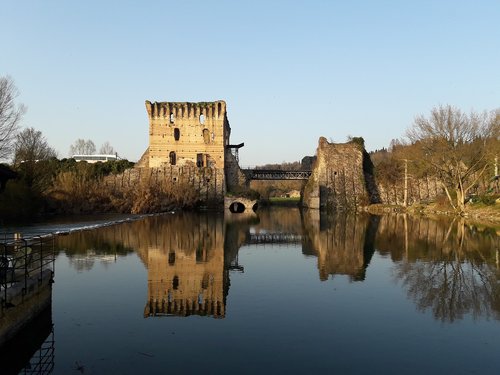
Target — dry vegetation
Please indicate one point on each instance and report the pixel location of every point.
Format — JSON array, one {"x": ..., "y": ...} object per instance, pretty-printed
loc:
[{"x": 79, "y": 192}]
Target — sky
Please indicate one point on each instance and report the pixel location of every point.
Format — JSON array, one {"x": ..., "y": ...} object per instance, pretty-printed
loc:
[{"x": 289, "y": 71}]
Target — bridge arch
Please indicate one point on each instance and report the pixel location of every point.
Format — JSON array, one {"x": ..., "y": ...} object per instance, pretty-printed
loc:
[{"x": 238, "y": 205}]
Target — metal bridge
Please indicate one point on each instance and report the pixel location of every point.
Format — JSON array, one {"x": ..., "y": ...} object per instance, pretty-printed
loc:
[{"x": 276, "y": 174}]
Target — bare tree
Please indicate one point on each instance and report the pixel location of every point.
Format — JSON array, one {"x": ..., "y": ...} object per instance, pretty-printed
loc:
[
  {"x": 82, "y": 147},
  {"x": 31, "y": 150},
  {"x": 31, "y": 145},
  {"x": 89, "y": 147},
  {"x": 456, "y": 146},
  {"x": 10, "y": 115},
  {"x": 106, "y": 149}
]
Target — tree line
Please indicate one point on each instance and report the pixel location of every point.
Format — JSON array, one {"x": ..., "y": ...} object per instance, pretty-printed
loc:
[
  {"x": 36, "y": 163},
  {"x": 459, "y": 150}
]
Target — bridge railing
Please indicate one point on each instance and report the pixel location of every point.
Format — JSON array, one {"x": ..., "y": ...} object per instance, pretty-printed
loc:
[
  {"x": 276, "y": 174},
  {"x": 22, "y": 259}
]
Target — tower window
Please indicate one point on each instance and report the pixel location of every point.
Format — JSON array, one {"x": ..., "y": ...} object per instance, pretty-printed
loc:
[
  {"x": 199, "y": 160},
  {"x": 206, "y": 136},
  {"x": 172, "y": 157},
  {"x": 177, "y": 134}
]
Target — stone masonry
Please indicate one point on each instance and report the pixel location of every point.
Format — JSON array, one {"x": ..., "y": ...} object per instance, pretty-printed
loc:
[
  {"x": 340, "y": 177},
  {"x": 187, "y": 133},
  {"x": 193, "y": 136}
]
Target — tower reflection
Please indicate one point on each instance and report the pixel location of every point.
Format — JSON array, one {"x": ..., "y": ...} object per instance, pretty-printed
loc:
[{"x": 186, "y": 273}]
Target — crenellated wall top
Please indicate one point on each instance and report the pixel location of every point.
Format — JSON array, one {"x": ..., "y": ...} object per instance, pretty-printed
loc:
[{"x": 186, "y": 110}]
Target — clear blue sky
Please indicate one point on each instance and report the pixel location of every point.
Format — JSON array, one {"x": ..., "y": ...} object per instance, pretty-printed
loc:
[{"x": 290, "y": 71}]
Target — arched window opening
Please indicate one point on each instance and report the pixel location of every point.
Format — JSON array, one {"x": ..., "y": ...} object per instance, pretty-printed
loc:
[
  {"x": 172, "y": 118},
  {"x": 237, "y": 207},
  {"x": 172, "y": 157},
  {"x": 219, "y": 110},
  {"x": 177, "y": 134},
  {"x": 199, "y": 160},
  {"x": 199, "y": 254},
  {"x": 175, "y": 282},
  {"x": 171, "y": 259},
  {"x": 202, "y": 119},
  {"x": 204, "y": 281},
  {"x": 206, "y": 136}
]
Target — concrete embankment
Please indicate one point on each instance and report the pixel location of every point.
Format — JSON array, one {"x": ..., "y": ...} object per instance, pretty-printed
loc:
[{"x": 21, "y": 305}]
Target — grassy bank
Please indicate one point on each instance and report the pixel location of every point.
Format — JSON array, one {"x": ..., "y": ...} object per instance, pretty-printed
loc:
[
  {"x": 281, "y": 201},
  {"x": 476, "y": 213}
]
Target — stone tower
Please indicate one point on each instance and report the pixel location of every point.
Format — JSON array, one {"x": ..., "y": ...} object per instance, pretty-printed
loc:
[{"x": 182, "y": 133}]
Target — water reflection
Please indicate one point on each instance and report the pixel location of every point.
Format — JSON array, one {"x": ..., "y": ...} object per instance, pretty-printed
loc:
[
  {"x": 103, "y": 246},
  {"x": 32, "y": 350},
  {"x": 185, "y": 261},
  {"x": 449, "y": 267},
  {"x": 344, "y": 244},
  {"x": 446, "y": 267}
]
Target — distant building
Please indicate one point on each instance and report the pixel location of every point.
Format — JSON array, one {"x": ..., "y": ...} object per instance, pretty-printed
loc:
[{"x": 95, "y": 158}]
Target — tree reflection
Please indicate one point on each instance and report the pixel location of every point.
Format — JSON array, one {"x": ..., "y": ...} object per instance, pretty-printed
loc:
[
  {"x": 449, "y": 268},
  {"x": 102, "y": 245}
]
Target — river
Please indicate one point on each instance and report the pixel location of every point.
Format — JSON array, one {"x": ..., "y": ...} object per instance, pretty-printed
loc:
[{"x": 283, "y": 291}]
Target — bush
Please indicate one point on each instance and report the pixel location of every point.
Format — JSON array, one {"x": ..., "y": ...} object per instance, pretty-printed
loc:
[
  {"x": 19, "y": 201},
  {"x": 487, "y": 200}
]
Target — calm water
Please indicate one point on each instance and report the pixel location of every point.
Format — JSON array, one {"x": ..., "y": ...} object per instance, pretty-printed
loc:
[{"x": 277, "y": 293}]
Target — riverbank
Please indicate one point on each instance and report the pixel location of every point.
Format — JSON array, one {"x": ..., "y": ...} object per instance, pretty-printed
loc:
[{"x": 479, "y": 213}]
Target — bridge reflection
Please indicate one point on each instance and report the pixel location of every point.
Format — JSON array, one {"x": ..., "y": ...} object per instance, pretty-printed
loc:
[{"x": 273, "y": 238}]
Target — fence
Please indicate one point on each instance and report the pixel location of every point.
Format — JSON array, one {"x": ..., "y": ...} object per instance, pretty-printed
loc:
[{"x": 23, "y": 260}]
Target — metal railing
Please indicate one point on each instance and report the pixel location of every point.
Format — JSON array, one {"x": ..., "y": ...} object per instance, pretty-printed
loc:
[
  {"x": 42, "y": 361},
  {"x": 276, "y": 174},
  {"x": 24, "y": 259}
]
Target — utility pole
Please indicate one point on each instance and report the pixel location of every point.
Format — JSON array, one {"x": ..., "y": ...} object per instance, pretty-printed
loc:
[{"x": 405, "y": 197}]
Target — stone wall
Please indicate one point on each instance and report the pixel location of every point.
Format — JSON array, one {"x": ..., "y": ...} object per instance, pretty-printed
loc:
[
  {"x": 235, "y": 179},
  {"x": 207, "y": 183},
  {"x": 420, "y": 190},
  {"x": 340, "y": 179}
]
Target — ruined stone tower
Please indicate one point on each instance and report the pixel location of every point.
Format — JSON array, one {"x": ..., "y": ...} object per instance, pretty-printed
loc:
[
  {"x": 182, "y": 133},
  {"x": 341, "y": 177}
]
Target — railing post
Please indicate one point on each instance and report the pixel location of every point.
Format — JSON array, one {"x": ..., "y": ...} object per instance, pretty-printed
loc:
[
  {"x": 25, "y": 245},
  {"x": 41, "y": 259},
  {"x": 3, "y": 280}
]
